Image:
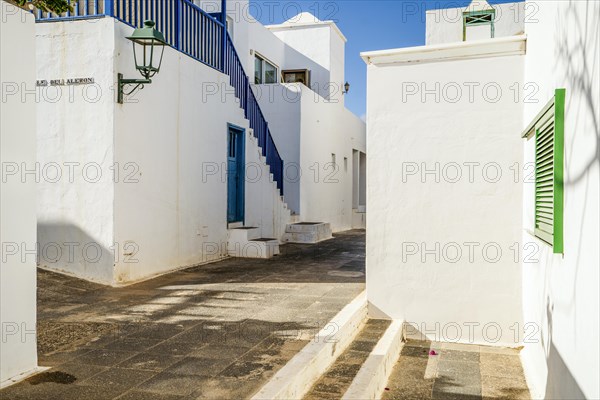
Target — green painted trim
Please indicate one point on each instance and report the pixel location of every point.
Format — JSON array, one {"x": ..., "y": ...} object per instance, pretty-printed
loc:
[
  {"x": 559, "y": 144},
  {"x": 529, "y": 131},
  {"x": 479, "y": 13}
]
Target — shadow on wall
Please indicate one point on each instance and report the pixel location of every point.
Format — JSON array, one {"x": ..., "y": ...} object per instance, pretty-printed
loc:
[
  {"x": 573, "y": 54},
  {"x": 67, "y": 248},
  {"x": 319, "y": 75},
  {"x": 577, "y": 50},
  {"x": 566, "y": 387}
]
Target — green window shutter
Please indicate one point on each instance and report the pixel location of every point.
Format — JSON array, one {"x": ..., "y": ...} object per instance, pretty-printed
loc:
[{"x": 549, "y": 164}]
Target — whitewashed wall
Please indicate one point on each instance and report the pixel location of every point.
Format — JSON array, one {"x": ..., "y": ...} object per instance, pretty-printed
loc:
[
  {"x": 18, "y": 351},
  {"x": 263, "y": 42},
  {"x": 177, "y": 211},
  {"x": 309, "y": 129},
  {"x": 446, "y": 25},
  {"x": 561, "y": 292},
  {"x": 328, "y": 128},
  {"x": 76, "y": 132},
  {"x": 433, "y": 237},
  {"x": 323, "y": 44},
  {"x": 282, "y": 107}
]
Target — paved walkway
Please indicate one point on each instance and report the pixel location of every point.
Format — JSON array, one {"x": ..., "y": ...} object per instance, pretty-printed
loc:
[
  {"x": 217, "y": 331},
  {"x": 465, "y": 372}
]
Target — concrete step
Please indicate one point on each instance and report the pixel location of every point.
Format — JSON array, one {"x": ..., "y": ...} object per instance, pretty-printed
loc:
[
  {"x": 336, "y": 381},
  {"x": 372, "y": 379},
  {"x": 245, "y": 242},
  {"x": 359, "y": 219},
  {"x": 295, "y": 378},
  {"x": 243, "y": 233},
  {"x": 307, "y": 232}
]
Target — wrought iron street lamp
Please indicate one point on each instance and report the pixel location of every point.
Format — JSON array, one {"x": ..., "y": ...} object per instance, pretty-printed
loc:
[
  {"x": 346, "y": 88},
  {"x": 148, "y": 49}
]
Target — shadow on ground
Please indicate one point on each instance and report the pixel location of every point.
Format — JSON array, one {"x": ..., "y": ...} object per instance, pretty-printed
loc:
[{"x": 213, "y": 331}]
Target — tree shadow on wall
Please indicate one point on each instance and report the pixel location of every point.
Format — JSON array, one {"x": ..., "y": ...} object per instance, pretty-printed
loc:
[
  {"x": 577, "y": 54},
  {"x": 577, "y": 38}
]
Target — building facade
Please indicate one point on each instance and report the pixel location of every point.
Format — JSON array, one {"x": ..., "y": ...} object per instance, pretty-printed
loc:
[
  {"x": 487, "y": 230},
  {"x": 227, "y": 137},
  {"x": 18, "y": 346}
]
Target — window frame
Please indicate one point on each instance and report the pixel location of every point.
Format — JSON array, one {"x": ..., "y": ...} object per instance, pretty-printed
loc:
[
  {"x": 556, "y": 106},
  {"x": 481, "y": 15},
  {"x": 306, "y": 73},
  {"x": 264, "y": 61}
]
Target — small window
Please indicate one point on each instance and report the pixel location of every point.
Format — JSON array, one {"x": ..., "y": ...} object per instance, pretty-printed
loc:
[
  {"x": 478, "y": 24},
  {"x": 264, "y": 71},
  {"x": 297, "y": 76},
  {"x": 548, "y": 129}
]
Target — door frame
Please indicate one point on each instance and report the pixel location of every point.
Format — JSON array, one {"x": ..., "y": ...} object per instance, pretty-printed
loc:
[{"x": 241, "y": 161}]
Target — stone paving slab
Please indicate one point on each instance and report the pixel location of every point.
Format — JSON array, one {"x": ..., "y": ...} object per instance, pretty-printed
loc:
[
  {"x": 458, "y": 371},
  {"x": 216, "y": 331}
]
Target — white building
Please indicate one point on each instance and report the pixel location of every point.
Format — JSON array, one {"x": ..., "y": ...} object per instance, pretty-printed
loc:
[
  {"x": 455, "y": 246},
  {"x": 148, "y": 186},
  {"x": 18, "y": 345}
]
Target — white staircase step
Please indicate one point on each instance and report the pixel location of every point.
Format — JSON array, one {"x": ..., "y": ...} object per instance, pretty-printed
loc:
[
  {"x": 359, "y": 219},
  {"x": 372, "y": 378},
  {"x": 243, "y": 234},
  {"x": 245, "y": 242},
  {"x": 296, "y": 378},
  {"x": 258, "y": 248},
  {"x": 307, "y": 232}
]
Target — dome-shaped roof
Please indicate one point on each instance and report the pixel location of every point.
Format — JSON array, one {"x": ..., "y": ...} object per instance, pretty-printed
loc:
[{"x": 479, "y": 5}]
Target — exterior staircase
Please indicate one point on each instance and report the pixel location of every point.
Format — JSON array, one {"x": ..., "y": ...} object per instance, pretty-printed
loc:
[{"x": 351, "y": 358}]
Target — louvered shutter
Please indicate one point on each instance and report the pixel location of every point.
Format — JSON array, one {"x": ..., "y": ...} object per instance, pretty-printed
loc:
[{"x": 549, "y": 147}]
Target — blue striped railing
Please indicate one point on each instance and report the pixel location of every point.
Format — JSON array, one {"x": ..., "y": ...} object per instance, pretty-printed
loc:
[{"x": 196, "y": 33}]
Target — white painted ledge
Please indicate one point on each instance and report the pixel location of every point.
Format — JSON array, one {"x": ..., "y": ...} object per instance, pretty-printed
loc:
[
  {"x": 498, "y": 47},
  {"x": 371, "y": 379},
  {"x": 296, "y": 378}
]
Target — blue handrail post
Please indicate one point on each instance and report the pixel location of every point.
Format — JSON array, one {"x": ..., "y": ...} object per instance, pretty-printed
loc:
[
  {"x": 178, "y": 11},
  {"x": 109, "y": 8},
  {"x": 224, "y": 33}
]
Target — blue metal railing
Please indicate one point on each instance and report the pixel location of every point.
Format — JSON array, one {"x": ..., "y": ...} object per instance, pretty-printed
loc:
[
  {"x": 194, "y": 32},
  {"x": 241, "y": 83}
]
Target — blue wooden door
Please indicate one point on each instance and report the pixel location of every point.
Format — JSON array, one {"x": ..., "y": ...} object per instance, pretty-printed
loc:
[{"x": 235, "y": 175}]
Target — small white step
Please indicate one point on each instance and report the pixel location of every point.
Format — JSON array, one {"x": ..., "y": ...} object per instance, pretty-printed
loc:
[
  {"x": 307, "y": 232},
  {"x": 359, "y": 219},
  {"x": 245, "y": 242},
  {"x": 243, "y": 234}
]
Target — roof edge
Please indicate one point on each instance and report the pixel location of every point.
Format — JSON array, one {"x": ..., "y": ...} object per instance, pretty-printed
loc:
[
  {"x": 505, "y": 46},
  {"x": 289, "y": 26}
]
